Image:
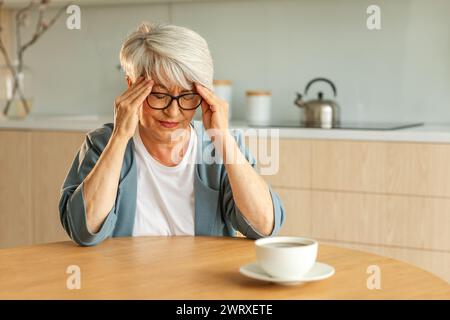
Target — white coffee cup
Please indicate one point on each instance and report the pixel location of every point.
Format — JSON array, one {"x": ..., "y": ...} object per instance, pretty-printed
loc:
[{"x": 286, "y": 257}]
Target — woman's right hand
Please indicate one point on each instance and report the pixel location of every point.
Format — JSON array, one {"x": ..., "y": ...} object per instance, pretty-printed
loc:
[{"x": 127, "y": 108}]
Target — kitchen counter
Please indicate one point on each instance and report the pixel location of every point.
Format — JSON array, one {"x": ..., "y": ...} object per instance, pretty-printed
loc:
[
  {"x": 431, "y": 133},
  {"x": 56, "y": 123},
  {"x": 434, "y": 133}
]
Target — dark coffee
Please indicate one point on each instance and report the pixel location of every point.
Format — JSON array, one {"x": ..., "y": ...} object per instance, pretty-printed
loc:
[{"x": 284, "y": 244}]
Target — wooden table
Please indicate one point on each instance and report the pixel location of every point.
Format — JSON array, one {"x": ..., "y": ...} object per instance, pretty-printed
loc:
[{"x": 195, "y": 268}]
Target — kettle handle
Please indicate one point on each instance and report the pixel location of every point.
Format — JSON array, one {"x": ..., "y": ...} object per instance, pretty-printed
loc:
[{"x": 323, "y": 80}]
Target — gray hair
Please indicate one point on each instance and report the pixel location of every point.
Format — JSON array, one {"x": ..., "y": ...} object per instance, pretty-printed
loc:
[{"x": 169, "y": 54}]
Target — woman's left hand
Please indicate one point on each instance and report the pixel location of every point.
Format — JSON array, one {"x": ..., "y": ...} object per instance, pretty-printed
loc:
[{"x": 214, "y": 110}]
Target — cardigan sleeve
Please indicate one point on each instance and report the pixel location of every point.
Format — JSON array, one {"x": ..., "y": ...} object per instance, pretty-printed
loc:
[
  {"x": 231, "y": 212},
  {"x": 72, "y": 208}
]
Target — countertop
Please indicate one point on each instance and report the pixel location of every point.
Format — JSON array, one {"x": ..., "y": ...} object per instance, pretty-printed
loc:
[{"x": 437, "y": 133}]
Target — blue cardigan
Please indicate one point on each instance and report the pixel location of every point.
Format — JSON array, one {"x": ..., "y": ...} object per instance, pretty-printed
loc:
[{"x": 216, "y": 213}]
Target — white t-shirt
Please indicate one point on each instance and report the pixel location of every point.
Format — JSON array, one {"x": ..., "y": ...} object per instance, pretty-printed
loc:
[{"x": 165, "y": 195}]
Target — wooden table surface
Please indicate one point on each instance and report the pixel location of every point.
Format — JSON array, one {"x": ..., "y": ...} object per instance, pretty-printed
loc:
[{"x": 195, "y": 268}]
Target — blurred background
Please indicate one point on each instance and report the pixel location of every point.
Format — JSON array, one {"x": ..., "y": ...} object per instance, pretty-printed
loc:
[
  {"x": 377, "y": 180},
  {"x": 398, "y": 73}
]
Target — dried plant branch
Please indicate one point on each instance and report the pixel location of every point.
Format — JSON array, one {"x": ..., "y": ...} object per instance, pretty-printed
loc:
[
  {"x": 45, "y": 27},
  {"x": 16, "y": 67},
  {"x": 2, "y": 45}
]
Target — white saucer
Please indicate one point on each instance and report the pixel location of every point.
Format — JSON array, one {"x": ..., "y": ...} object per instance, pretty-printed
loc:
[{"x": 318, "y": 272}]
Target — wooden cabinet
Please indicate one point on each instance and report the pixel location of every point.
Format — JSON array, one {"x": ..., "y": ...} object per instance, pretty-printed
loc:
[
  {"x": 289, "y": 157},
  {"x": 52, "y": 154},
  {"x": 33, "y": 165},
  {"x": 390, "y": 220},
  {"x": 348, "y": 165},
  {"x": 298, "y": 202},
  {"x": 15, "y": 206},
  {"x": 390, "y": 198},
  {"x": 382, "y": 167}
]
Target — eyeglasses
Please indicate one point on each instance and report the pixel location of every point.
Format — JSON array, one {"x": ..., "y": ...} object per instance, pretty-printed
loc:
[{"x": 186, "y": 101}]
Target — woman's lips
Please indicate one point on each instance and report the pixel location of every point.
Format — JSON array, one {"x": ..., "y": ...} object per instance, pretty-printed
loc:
[{"x": 168, "y": 124}]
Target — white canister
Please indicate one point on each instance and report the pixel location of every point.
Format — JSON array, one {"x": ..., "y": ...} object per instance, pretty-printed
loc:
[
  {"x": 223, "y": 89},
  {"x": 258, "y": 107}
]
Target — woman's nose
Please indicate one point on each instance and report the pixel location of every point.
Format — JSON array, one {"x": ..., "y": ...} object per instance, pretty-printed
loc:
[{"x": 173, "y": 110}]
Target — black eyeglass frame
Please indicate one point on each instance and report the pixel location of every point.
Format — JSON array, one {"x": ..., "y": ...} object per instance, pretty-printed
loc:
[{"x": 175, "y": 98}]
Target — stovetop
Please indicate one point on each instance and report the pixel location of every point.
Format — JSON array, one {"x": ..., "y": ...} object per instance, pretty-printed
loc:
[{"x": 348, "y": 125}]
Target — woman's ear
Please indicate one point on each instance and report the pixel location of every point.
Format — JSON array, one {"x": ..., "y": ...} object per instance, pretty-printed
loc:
[{"x": 128, "y": 81}]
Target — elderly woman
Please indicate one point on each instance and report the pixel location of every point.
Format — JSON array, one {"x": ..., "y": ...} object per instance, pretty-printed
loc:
[{"x": 146, "y": 173}]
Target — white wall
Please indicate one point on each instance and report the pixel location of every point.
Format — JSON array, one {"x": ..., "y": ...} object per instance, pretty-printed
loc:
[{"x": 401, "y": 72}]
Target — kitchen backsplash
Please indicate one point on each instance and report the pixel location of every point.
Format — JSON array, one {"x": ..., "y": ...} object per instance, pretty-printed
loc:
[{"x": 398, "y": 73}]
